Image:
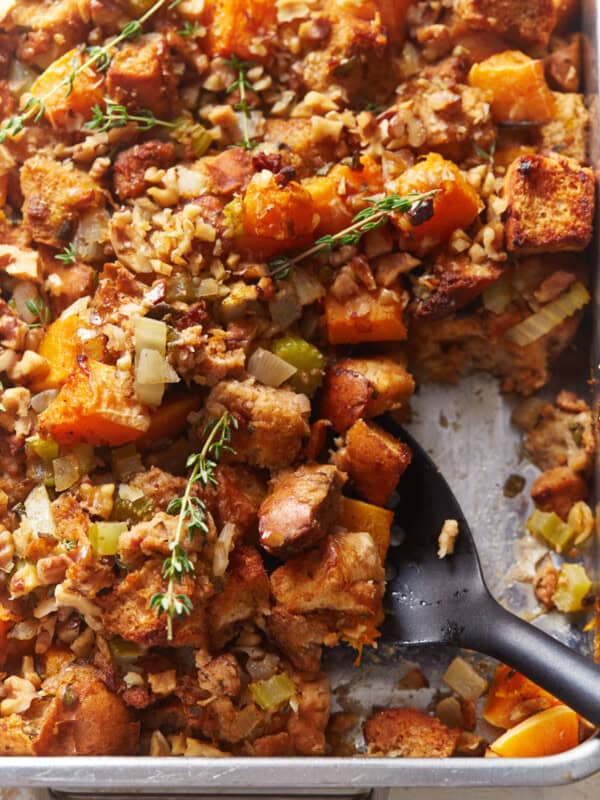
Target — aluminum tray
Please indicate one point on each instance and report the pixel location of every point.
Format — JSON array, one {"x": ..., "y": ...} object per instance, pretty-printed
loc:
[{"x": 468, "y": 431}]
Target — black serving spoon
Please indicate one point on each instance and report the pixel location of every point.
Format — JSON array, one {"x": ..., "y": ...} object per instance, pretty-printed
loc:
[{"x": 446, "y": 601}]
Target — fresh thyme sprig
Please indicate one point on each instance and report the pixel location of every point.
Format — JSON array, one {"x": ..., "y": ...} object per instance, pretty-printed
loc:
[
  {"x": 191, "y": 512},
  {"x": 68, "y": 255},
  {"x": 100, "y": 58},
  {"x": 38, "y": 309},
  {"x": 242, "y": 85},
  {"x": 371, "y": 217},
  {"x": 486, "y": 155},
  {"x": 115, "y": 115},
  {"x": 189, "y": 28}
]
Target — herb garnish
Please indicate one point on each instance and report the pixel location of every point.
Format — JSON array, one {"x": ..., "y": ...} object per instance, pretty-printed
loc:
[
  {"x": 242, "y": 84},
  {"x": 39, "y": 310},
  {"x": 68, "y": 255},
  {"x": 368, "y": 219},
  {"x": 191, "y": 512},
  {"x": 117, "y": 116}
]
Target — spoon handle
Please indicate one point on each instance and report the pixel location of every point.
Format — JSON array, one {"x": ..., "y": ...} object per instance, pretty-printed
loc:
[{"x": 559, "y": 670}]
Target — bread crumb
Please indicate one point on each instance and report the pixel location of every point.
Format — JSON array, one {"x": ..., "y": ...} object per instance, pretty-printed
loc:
[{"x": 447, "y": 538}]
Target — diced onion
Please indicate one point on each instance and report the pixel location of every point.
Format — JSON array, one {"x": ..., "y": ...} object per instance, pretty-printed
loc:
[
  {"x": 23, "y": 293},
  {"x": 39, "y": 511},
  {"x": 77, "y": 308},
  {"x": 464, "y": 679},
  {"x": 92, "y": 235},
  {"x": 66, "y": 472},
  {"x": 208, "y": 287},
  {"x": 285, "y": 308},
  {"x": 153, "y": 368},
  {"x": 497, "y": 296},
  {"x": 20, "y": 78},
  {"x": 104, "y": 537},
  {"x": 150, "y": 394},
  {"x": 273, "y": 692},
  {"x": 85, "y": 456},
  {"x": 269, "y": 369},
  {"x": 130, "y": 493},
  {"x": 41, "y": 400},
  {"x": 307, "y": 287},
  {"x": 551, "y": 315},
  {"x": 223, "y": 547},
  {"x": 150, "y": 334}
]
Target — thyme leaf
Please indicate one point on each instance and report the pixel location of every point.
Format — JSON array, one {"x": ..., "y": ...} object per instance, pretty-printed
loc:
[
  {"x": 242, "y": 85},
  {"x": 68, "y": 255},
  {"x": 116, "y": 115}
]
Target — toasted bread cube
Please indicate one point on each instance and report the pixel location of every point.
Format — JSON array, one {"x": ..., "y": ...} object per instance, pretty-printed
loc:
[
  {"x": 567, "y": 131},
  {"x": 558, "y": 490},
  {"x": 526, "y": 23},
  {"x": 550, "y": 204},
  {"x": 409, "y": 733}
]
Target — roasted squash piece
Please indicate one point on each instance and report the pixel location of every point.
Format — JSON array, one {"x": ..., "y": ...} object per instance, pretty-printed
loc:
[
  {"x": 455, "y": 205},
  {"x": 241, "y": 28},
  {"x": 365, "y": 317},
  {"x": 96, "y": 406},
  {"x": 517, "y": 85},
  {"x": 358, "y": 516},
  {"x": 63, "y": 342},
  {"x": 546, "y": 733},
  {"x": 275, "y": 218},
  {"x": 71, "y": 104},
  {"x": 334, "y": 194},
  {"x": 513, "y": 697}
]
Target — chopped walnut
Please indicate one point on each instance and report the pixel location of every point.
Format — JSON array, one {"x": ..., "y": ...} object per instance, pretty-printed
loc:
[{"x": 18, "y": 695}]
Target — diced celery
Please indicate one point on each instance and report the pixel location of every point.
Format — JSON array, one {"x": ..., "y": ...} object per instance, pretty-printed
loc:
[
  {"x": 131, "y": 510},
  {"x": 272, "y": 693},
  {"x": 126, "y": 462},
  {"x": 123, "y": 650},
  {"x": 550, "y": 527},
  {"x": 46, "y": 449},
  {"x": 572, "y": 587},
  {"x": 104, "y": 537},
  {"x": 308, "y": 360}
]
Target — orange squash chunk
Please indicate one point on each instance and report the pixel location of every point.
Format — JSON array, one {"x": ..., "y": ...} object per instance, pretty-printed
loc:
[
  {"x": 61, "y": 345},
  {"x": 358, "y": 516},
  {"x": 334, "y": 195},
  {"x": 69, "y": 105},
  {"x": 518, "y": 87},
  {"x": 242, "y": 28},
  {"x": 169, "y": 419},
  {"x": 364, "y": 318},
  {"x": 275, "y": 218},
  {"x": 545, "y": 734},
  {"x": 94, "y": 406},
  {"x": 454, "y": 206},
  {"x": 513, "y": 697}
]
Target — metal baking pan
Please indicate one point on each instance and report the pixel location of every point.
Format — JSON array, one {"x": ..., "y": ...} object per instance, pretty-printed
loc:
[{"x": 476, "y": 450}]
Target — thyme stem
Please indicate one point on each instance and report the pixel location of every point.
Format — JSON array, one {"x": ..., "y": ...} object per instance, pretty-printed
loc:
[
  {"x": 242, "y": 84},
  {"x": 366, "y": 220}
]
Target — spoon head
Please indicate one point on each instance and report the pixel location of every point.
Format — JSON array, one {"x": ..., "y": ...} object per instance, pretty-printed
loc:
[{"x": 429, "y": 600}]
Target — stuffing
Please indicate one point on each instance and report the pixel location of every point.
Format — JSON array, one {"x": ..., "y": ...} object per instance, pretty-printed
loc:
[
  {"x": 550, "y": 204},
  {"x": 526, "y": 25},
  {"x": 456, "y": 281},
  {"x": 131, "y": 164},
  {"x": 55, "y": 196},
  {"x": 300, "y": 508},
  {"x": 271, "y": 423},
  {"x": 563, "y": 435},
  {"x": 408, "y": 733},
  {"x": 364, "y": 387},
  {"x": 374, "y": 461},
  {"x": 567, "y": 132},
  {"x": 558, "y": 490}
]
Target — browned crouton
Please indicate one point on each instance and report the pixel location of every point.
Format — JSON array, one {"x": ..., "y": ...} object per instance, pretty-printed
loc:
[
  {"x": 567, "y": 132},
  {"x": 271, "y": 422},
  {"x": 300, "y": 508},
  {"x": 141, "y": 76},
  {"x": 564, "y": 435},
  {"x": 408, "y": 733},
  {"x": 300, "y": 638},
  {"x": 91, "y": 720},
  {"x": 550, "y": 204},
  {"x": 245, "y": 596},
  {"x": 343, "y": 575},
  {"x": 558, "y": 490},
  {"x": 51, "y": 28},
  {"x": 526, "y": 23},
  {"x": 374, "y": 461},
  {"x": 364, "y": 387},
  {"x": 55, "y": 195},
  {"x": 131, "y": 164},
  {"x": 460, "y": 280},
  {"x": 310, "y": 150},
  {"x": 127, "y": 612}
]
